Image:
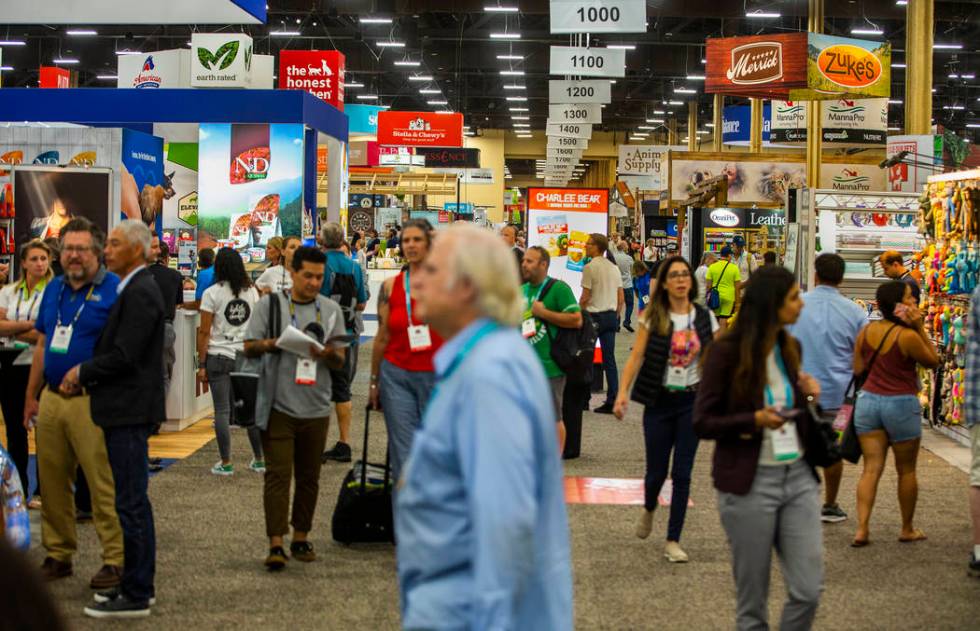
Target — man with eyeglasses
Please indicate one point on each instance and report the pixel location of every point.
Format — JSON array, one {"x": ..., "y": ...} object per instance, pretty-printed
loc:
[
  {"x": 602, "y": 296},
  {"x": 73, "y": 312}
]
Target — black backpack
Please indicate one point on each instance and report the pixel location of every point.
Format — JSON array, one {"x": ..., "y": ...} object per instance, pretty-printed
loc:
[
  {"x": 573, "y": 350},
  {"x": 343, "y": 291}
]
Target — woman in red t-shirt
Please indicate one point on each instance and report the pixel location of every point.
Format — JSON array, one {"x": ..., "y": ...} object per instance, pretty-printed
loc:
[{"x": 402, "y": 375}]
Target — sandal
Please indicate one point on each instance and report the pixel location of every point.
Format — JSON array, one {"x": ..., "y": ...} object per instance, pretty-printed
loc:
[
  {"x": 860, "y": 543},
  {"x": 917, "y": 535}
]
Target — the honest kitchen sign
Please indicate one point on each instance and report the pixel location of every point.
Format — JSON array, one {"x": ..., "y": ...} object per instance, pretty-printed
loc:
[{"x": 220, "y": 60}]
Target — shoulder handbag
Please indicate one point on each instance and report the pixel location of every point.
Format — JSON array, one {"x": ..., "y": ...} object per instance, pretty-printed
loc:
[
  {"x": 713, "y": 300},
  {"x": 245, "y": 382},
  {"x": 850, "y": 447}
]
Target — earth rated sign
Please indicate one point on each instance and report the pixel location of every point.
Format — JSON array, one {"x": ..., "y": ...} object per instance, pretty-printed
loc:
[{"x": 220, "y": 60}]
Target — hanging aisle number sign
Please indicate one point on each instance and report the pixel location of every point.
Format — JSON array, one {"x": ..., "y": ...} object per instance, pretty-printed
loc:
[
  {"x": 598, "y": 16},
  {"x": 575, "y": 113},
  {"x": 565, "y": 142},
  {"x": 571, "y": 130},
  {"x": 588, "y": 62},
  {"x": 594, "y": 91},
  {"x": 556, "y": 152}
]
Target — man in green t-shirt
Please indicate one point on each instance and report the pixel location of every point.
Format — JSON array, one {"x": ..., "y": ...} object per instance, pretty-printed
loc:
[
  {"x": 548, "y": 306},
  {"x": 724, "y": 275}
]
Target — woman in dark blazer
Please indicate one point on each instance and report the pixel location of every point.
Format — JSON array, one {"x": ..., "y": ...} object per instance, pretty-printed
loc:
[{"x": 752, "y": 402}]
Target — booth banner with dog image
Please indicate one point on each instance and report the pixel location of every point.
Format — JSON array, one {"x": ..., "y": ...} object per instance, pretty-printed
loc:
[
  {"x": 144, "y": 187},
  {"x": 319, "y": 72},
  {"x": 250, "y": 185}
]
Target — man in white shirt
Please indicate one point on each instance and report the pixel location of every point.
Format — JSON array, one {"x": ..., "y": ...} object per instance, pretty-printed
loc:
[
  {"x": 747, "y": 265},
  {"x": 602, "y": 297}
]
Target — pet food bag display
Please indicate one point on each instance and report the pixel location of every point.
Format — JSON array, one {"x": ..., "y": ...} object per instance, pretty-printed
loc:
[
  {"x": 553, "y": 234},
  {"x": 576, "y": 250}
]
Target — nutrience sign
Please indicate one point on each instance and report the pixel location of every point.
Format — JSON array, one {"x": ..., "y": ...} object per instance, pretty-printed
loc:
[
  {"x": 456, "y": 158},
  {"x": 319, "y": 72},
  {"x": 425, "y": 129},
  {"x": 759, "y": 62}
]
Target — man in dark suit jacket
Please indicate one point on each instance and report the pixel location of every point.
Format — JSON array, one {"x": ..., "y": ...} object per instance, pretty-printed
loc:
[{"x": 125, "y": 381}]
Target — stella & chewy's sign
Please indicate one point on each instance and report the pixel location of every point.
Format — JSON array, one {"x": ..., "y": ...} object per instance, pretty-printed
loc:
[
  {"x": 797, "y": 67},
  {"x": 319, "y": 72},
  {"x": 591, "y": 200},
  {"x": 221, "y": 60},
  {"x": 425, "y": 129},
  {"x": 758, "y": 62}
]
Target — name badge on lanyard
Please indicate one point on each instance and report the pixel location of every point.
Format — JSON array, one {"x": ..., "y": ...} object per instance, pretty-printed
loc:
[
  {"x": 305, "y": 371},
  {"x": 61, "y": 339},
  {"x": 529, "y": 327},
  {"x": 785, "y": 444},
  {"x": 419, "y": 336},
  {"x": 676, "y": 377}
]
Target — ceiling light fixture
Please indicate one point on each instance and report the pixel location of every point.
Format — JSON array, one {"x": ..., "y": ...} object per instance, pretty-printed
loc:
[
  {"x": 512, "y": 73},
  {"x": 500, "y": 9},
  {"x": 420, "y": 77},
  {"x": 353, "y": 84},
  {"x": 901, "y": 3},
  {"x": 655, "y": 120},
  {"x": 621, "y": 46},
  {"x": 128, "y": 52},
  {"x": 661, "y": 112},
  {"x": 954, "y": 107},
  {"x": 511, "y": 57},
  {"x": 445, "y": 112},
  {"x": 505, "y": 35},
  {"x": 430, "y": 91},
  {"x": 764, "y": 15},
  {"x": 522, "y": 125},
  {"x": 367, "y": 97},
  {"x": 895, "y": 65},
  {"x": 515, "y": 87},
  {"x": 525, "y": 135},
  {"x": 106, "y": 77},
  {"x": 390, "y": 44},
  {"x": 12, "y": 42},
  {"x": 521, "y": 118},
  {"x": 438, "y": 102},
  {"x": 65, "y": 60},
  {"x": 674, "y": 103},
  {"x": 695, "y": 77},
  {"x": 518, "y": 109},
  {"x": 894, "y": 101},
  {"x": 947, "y": 46},
  {"x": 375, "y": 20},
  {"x": 684, "y": 91},
  {"x": 709, "y": 124},
  {"x": 867, "y": 31},
  {"x": 6, "y": 68},
  {"x": 645, "y": 127},
  {"x": 81, "y": 32},
  {"x": 973, "y": 125},
  {"x": 284, "y": 34},
  {"x": 516, "y": 98},
  {"x": 408, "y": 62}
]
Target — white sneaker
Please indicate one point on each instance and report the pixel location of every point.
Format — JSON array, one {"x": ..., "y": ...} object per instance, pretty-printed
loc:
[
  {"x": 645, "y": 525},
  {"x": 222, "y": 469},
  {"x": 257, "y": 466},
  {"x": 674, "y": 553}
]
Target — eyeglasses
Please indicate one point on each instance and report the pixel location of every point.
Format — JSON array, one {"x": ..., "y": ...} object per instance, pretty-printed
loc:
[{"x": 676, "y": 275}]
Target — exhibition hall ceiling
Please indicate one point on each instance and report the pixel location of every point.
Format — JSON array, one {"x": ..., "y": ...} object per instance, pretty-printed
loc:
[{"x": 492, "y": 65}]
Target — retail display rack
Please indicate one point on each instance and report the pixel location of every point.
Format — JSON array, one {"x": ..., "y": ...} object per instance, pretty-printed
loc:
[{"x": 950, "y": 266}]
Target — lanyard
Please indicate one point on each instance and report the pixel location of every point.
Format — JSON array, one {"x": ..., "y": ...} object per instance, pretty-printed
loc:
[
  {"x": 485, "y": 330},
  {"x": 770, "y": 399},
  {"x": 20, "y": 295},
  {"x": 527, "y": 294},
  {"x": 61, "y": 293},
  {"x": 408, "y": 298},
  {"x": 292, "y": 311}
]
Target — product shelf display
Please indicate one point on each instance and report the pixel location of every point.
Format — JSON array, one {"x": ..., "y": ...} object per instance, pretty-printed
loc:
[
  {"x": 859, "y": 227},
  {"x": 713, "y": 228},
  {"x": 950, "y": 265}
]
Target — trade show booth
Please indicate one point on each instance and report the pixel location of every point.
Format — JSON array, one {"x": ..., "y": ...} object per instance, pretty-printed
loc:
[{"x": 203, "y": 168}]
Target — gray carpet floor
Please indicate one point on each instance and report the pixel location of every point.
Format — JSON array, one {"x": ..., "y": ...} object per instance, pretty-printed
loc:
[{"x": 211, "y": 544}]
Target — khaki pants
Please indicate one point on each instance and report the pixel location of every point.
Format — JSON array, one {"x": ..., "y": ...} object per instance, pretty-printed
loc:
[
  {"x": 291, "y": 443},
  {"x": 67, "y": 438}
]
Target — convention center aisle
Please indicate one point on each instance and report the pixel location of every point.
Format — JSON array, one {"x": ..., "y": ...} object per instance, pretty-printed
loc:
[{"x": 211, "y": 545}]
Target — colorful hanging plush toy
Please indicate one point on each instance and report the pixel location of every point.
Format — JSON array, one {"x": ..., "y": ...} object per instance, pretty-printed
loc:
[{"x": 17, "y": 524}]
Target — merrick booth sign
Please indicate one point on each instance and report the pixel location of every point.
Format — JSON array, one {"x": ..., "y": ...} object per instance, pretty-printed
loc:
[
  {"x": 798, "y": 66},
  {"x": 420, "y": 129}
]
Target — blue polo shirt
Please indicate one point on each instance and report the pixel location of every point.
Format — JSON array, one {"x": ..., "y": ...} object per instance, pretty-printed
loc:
[
  {"x": 60, "y": 299},
  {"x": 340, "y": 263},
  {"x": 205, "y": 278}
]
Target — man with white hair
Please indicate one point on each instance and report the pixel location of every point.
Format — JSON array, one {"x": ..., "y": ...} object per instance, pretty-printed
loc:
[
  {"x": 124, "y": 379},
  {"x": 481, "y": 523}
]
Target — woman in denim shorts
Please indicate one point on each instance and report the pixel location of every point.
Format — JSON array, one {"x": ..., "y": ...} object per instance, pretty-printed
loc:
[{"x": 888, "y": 411}]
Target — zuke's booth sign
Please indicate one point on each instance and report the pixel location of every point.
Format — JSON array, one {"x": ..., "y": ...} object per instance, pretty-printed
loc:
[
  {"x": 798, "y": 66},
  {"x": 319, "y": 72}
]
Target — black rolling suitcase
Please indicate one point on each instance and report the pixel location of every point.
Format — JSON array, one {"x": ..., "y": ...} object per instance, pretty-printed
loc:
[{"x": 363, "y": 513}]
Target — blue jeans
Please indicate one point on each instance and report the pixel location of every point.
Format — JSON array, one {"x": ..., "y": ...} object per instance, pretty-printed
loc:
[
  {"x": 628, "y": 311},
  {"x": 127, "y": 449},
  {"x": 899, "y": 415},
  {"x": 669, "y": 425},
  {"x": 607, "y": 323},
  {"x": 404, "y": 395}
]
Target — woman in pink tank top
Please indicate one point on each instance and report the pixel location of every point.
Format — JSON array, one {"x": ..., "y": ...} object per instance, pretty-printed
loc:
[{"x": 888, "y": 411}]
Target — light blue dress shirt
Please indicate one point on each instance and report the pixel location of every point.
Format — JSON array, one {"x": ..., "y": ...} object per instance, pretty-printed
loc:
[
  {"x": 480, "y": 519},
  {"x": 827, "y": 329}
]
